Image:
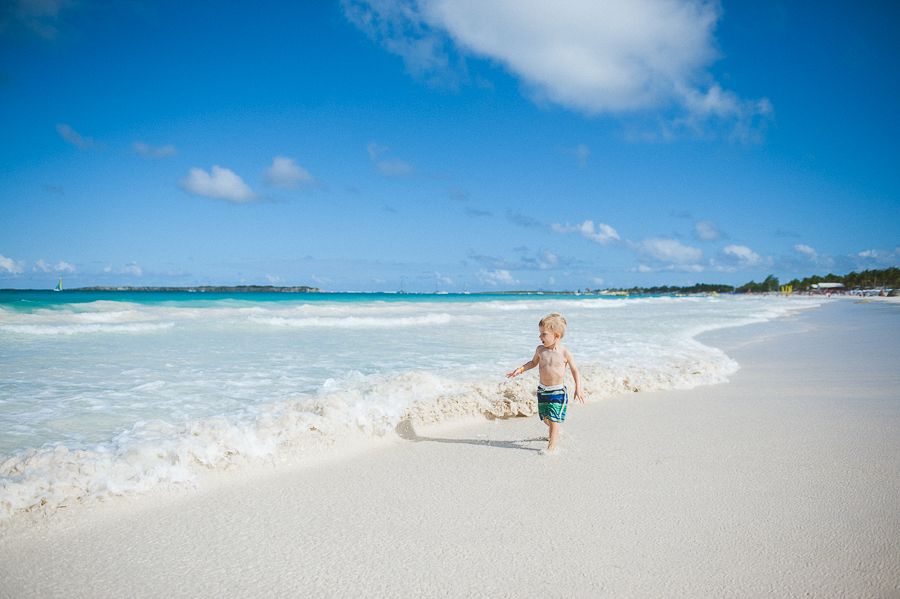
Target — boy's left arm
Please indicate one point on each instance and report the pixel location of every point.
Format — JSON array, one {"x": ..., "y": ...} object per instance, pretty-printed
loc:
[{"x": 575, "y": 375}]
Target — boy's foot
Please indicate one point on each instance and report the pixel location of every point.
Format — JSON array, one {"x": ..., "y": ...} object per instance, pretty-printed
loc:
[{"x": 548, "y": 451}]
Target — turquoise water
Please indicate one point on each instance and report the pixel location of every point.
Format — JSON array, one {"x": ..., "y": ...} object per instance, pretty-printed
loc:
[
  {"x": 31, "y": 299},
  {"x": 109, "y": 392}
]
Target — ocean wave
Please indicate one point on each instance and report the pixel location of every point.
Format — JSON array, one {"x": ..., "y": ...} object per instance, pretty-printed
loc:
[
  {"x": 622, "y": 352},
  {"x": 568, "y": 303},
  {"x": 357, "y": 407},
  {"x": 354, "y": 322},
  {"x": 75, "y": 329}
]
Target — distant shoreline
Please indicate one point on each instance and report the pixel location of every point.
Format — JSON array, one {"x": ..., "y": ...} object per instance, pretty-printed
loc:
[
  {"x": 303, "y": 289},
  {"x": 207, "y": 289}
]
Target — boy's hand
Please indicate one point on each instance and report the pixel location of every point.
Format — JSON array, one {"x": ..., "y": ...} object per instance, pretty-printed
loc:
[
  {"x": 515, "y": 372},
  {"x": 579, "y": 396}
]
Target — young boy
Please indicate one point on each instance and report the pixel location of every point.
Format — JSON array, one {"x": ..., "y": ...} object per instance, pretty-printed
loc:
[{"x": 551, "y": 358}]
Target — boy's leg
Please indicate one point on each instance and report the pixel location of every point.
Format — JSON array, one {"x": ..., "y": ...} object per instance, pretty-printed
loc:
[
  {"x": 547, "y": 422},
  {"x": 554, "y": 434}
]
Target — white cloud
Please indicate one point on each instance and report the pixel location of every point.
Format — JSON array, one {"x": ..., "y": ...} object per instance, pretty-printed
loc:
[
  {"x": 390, "y": 166},
  {"x": 716, "y": 103},
  {"x": 669, "y": 250},
  {"x": 73, "y": 137},
  {"x": 394, "y": 167},
  {"x": 877, "y": 257},
  {"x": 596, "y": 280},
  {"x": 809, "y": 255},
  {"x": 547, "y": 259},
  {"x": 602, "y": 233},
  {"x": 220, "y": 183},
  {"x": 9, "y": 265},
  {"x": 442, "y": 279},
  {"x": 745, "y": 255},
  {"x": 61, "y": 266},
  {"x": 156, "y": 152},
  {"x": 133, "y": 268},
  {"x": 496, "y": 277},
  {"x": 593, "y": 56},
  {"x": 705, "y": 230},
  {"x": 284, "y": 172}
]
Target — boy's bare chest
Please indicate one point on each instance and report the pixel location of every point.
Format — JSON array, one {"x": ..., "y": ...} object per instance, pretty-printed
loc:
[{"x": 553, "y": 360}]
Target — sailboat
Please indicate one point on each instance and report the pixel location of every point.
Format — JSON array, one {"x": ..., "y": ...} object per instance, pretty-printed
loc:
[{"x": 58, "y": 285}]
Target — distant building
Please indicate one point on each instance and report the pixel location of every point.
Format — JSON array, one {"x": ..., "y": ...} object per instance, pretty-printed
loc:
[{"x": 828, "y": 286}]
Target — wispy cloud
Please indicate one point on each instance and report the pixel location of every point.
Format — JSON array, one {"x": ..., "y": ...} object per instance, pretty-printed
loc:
[
  {"x": 670, "y": 251},
  {"x": 8, "y": 265},
  {"x": 61, "y": 267},
  {"x": 386, "y": 164},
  {"x": 547, "y": 260},
  {"x": 496, "y": 277},
  {"x": 40, "y": 16},
  {"x": 286, "y": 173},
  {"x": 220, "y": 183},
  {"x": 458, "y": 195},
  {"x": 581, "y": 153},
  {"x": 877, "y": 258},
  {"x": 443, "y": 279},
  {"x": 401, "y": 27},
  {"x": 73, "y": 137},
  {"x": 602, "y": 233},
  {"x": 523, "y": 220},
  {"x": 621, "y": 57},
  {"x": 528, "y": 261},
  {"x": 132, "y": 268},
  {"x": 705, "y": 230},
  {"x": 155, "y": 152},
  {"x": 786, "y": 233},
  {"x": 477, "y": 212},
  {"x": 810, "y": 256},
  {"x": 744, "y": 255}
]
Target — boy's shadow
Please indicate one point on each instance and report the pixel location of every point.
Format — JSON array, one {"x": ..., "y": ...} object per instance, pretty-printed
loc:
[{"x": 407, "y": 432}]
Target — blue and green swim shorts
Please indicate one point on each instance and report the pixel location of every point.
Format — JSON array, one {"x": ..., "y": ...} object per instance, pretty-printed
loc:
[{"x": 552, "y": 402}]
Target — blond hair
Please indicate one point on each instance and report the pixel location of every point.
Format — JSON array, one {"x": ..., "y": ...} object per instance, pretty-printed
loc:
[{"x": 555, "y": 323}]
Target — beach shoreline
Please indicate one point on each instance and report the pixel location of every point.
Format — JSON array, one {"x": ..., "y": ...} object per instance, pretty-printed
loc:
[{"x": 782, "y": 482}]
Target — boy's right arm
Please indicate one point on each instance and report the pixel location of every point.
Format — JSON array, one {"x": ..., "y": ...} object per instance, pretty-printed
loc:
[{"x": 526, "y": 366}]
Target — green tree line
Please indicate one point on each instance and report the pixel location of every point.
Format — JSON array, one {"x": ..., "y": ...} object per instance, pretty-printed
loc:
[{"x": 867, "y": 279}]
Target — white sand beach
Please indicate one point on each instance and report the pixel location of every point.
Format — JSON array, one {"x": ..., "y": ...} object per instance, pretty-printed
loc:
[{"x": 784, "y": 482}]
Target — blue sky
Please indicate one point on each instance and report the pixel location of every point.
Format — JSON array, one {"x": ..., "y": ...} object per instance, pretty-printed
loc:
[{"x": 446, "y": 144}]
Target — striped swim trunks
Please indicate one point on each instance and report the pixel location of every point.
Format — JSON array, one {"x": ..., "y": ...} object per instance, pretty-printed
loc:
[{"x": 552, "y": 402}]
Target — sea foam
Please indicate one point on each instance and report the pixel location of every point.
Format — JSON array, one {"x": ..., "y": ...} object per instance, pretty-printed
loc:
[{"x": 226, "y": 385}]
